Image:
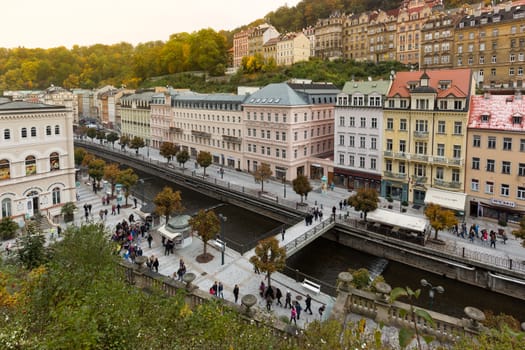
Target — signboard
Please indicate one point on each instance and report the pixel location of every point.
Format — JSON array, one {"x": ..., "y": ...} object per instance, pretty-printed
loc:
[{"x": 504, "y": 203}]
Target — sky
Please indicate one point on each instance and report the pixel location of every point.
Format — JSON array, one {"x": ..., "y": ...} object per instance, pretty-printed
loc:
[{"x": 53, "y": 23}]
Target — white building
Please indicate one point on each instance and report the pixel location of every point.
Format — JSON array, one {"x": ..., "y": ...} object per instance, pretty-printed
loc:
[{"x": 37, "y": 168}]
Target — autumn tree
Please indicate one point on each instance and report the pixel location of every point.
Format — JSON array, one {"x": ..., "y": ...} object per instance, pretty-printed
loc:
[
  {"x": 91, "y": 133},
  {"x": 124, "y": 141},
  {"x": 96, "y": 170},
  {"x": 182, "y": 157},
  {"x": 204, "y": 160},
  {"x": 112, "y": 137},
  {"x": 168, "y": 150},
  {"x": 365, "y": 200},
  {"x": 137, "y": 143},
  {"x": 439, "y": 218},
  {"x": 111, "y": 174},
  {"x": 269, "y": 257},
  {"x": 262, "y": 173},
  {"x": 301, "y": 186},
  {"x": 88, "y": 157},
  {"x": 168, "y": 202},
  {"x": 80, "y": 153},
  {"x": 127, "y": 178},
  {"x": 207, "y": 225}
]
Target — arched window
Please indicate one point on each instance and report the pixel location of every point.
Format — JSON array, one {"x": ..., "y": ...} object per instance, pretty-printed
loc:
[
  {"x": 5, "y": 169},
  {"x": 24, "y": 132},
  {"x": 56, "y": 195},
  {"x": 57, "y": 129},
  {"x": 48, "y": 130},
  {"x": 6, "y": 208},
  {"x": 33, "y": 131},
  {"x": 30, "y": 165},
  {"x": 7, "y": 134},
  {"x": 54, "y": 161}
]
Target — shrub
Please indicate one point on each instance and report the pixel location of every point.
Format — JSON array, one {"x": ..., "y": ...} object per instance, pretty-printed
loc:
[
  {"x": 388, "y": 198},
  {"x": 502, "y": 223},
  {"x": 404, "y": 203},
  {"x": 361, "y": 278},
  {"x": 8, "y": 228}
]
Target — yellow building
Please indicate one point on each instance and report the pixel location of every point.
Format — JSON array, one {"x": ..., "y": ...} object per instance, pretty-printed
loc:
[
  {"x": 424, "y": 141},
  {"x": 355, "y": 37},
  {"x": 382, "y": 36},
  {"x": 495, "y": 169},
  {"x": 412, "y": 16}
]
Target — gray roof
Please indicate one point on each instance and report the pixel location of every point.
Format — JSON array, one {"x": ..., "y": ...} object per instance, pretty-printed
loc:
[
  {"x": 26, "y": 105},
  {"x": 143, "y": 96},
  {"x": 367, "y": 87},
  {"x": 196, "y": 97},
  {"x": 279, "y": 94}
]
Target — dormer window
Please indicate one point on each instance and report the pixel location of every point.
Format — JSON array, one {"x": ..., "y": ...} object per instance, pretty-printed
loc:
[
  {"x": 485, "y": 118},
  {"x": 424, "y": 80},
  {"x": 517, "y": 119}
]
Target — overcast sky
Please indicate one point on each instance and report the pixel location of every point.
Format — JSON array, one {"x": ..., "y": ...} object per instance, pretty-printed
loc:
[{"x": 52, "y": 23}]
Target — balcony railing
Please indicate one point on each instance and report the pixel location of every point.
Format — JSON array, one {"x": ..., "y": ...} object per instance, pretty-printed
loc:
[
  {"x": 233, "y": 139},
  {"x": 447, "y": 184},
  {"x": 421, "y": 134},
  {"x": 401, "y": 155},
  {"x": 201, "y": 134},
  {"x": 441, "y": 160},
  {"x": 388, "y": 153},
  {"x": 455, "y": 161},
  {"x": 395, "y": 175},
  {"x": 422, "y": 157},
  {"x": 419, "y": 180},
  {"x": 175, "y": 130}
]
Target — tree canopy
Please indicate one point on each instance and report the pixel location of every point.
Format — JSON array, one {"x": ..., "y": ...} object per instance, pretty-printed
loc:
[
  {"x": 269, "y": 257},
  {"x": 168, "y": 202},
  {"x": 440, "y": 218},
  {"x": 365, "y": 200},
  {"x": 301, "y": 186},
  {"x": 204, "y": 160},
  {"x": 262, "y": 173},
  {"x": 207, "y": 225}
]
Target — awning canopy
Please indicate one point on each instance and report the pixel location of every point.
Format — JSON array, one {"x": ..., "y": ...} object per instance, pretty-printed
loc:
[
  {"x": 398, "y": 220},
  {"x": 168, "y": 234},
  {"x": 446, "y": 199}
]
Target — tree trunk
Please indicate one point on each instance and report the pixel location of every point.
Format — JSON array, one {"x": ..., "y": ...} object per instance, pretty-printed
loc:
[
  {"x": 262, "y": 185},
  {"x": 268, "y": 274},
  {"x": 205, "y": 243},
  {"x": 436, "y": 234}
]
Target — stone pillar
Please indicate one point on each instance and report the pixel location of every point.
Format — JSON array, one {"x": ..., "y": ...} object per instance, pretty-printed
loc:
[
  {"x": 382, "y": 303},
  {"x": 339, "y": 310}
]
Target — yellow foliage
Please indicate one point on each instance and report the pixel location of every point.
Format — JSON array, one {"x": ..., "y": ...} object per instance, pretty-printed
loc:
[{"x": 185, "y": 311}]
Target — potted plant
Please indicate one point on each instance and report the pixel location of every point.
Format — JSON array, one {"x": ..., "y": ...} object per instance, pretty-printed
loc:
[{"x": 68, "y": 210}]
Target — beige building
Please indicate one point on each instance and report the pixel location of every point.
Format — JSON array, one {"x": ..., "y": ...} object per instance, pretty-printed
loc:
[
  {"x": 270, "y": 50},
  {"x": 292, "y": 48},
  {"x": 258, "y": 36},
  {"x": 58, "y": 96},
  {"x": 135, "y": 110},
  {"x": 37, "y": 168},
  {"x": 329, "y": 36},
  {"x": 495, "y": 169},
  {"x": 240, "y": 47},
  {"x": 355, "y": 37},
  {"x": 382, "y": 36}
]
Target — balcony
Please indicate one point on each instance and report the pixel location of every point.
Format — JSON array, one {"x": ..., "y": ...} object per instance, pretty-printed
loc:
[
  {"x": 447, "y": 184},
  {"x": 402, "y": 155},
  {"x": 440, "y": 160},
  {"x": 202, "y": 134},
  {"x": 175, "y": 130},
  {"x": 455, "y": 162},
  {"x": 233, "y": 139},
  {"x": 399, "y": 176},
  {"x": 419, "y": 180},
  {"x": 421, "y": 157},
  {"x": 389, "y": 154},
  {"x": 421, "y": 135}
]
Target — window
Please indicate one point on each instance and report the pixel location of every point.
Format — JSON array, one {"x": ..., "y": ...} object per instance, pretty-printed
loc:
[
  {"x": 341, "y": 159},
  {"x": 474, "y": 185},
  {"x": 504, "y": 190},
  {"x": 373, "y": 143},
  {"x": 373, "y": 163},
  {"x": 295, "y": 154},
  {"x": 455, "y": 175},
  {"x": 276, "y": 134},
  {"x": 520, "y": 194},
  {"x": 341, "y": 121},
  {"x": 491, "y": 142},
  {"x": 341, "y": 140},
  {"x": 522, "y": 145},
  {"x": 277, "y": 153},
  {"x": 402, "y": 146},
  {"x": 389, "y": 144},
  {"x": 30, "y": 165},
  {"x": 458, "y": 128},
  {"x": 402, "y": 168},
  {"x": 403, "y": 124},
  {"x": 422, "y": 125},
  {"x": 421, "y": 148},
  {"x": 5, "y": 169},
  {"x": 493, "y": 59},
  {"x": 33, "y": 131},
  {"x": 505, "y": 167},
  {"x": 490, "y": 165},
  {"x": 439, "y": 173},
  {"x": 374, "y": 123},
  {"x": 284, "y": 154},
  {"x": 363, "y": 122},
  {"x": 362, "y": 142},
  {"x": 441, "y": 126},
  {"x": 475, "y": 163},
  {"x": 6, "y": 207},
  {"x": 476, "y": 141},
  {"x": 521, "y": 169},
  {"x": 283, "y": 134},
  {"x": 361, "y": 162},
  {"x": 507, "y": 144},
  {"x": 351, "y": 141},
  {"x": 420, "y": 170},
  {"x": 388, "y": 165},
  {"x": 56, "y": 195},
  {"x": 489, "y": 187},
  {"x": 7, "y": 134},
  {"x": 390, "y": 124},
  {"x": 54, "y": 161},
  {"x": 295, "y": 136},
  {"x": 57, "y": 130},
  {"x": 440, "y": 149},
  {"x": 456, "y": 152},
  {"x": 24, "y": 132},
  {"x": 48, "y": 130},
  {"x": 351, "y": 160}
]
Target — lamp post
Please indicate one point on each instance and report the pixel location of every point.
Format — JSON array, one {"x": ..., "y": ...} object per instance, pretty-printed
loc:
[
  {"x": 432, "y": 290},
  {"x": 223, "y": 219},
  {"x": 284, "y": 186}
]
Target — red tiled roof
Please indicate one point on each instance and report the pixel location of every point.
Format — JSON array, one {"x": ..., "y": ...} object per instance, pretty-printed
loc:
[
  {"x": 460, "y": 82},
  {"x": 500, "y": 108}
]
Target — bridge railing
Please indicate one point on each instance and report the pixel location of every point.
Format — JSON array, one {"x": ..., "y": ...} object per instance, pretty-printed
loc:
[{"x": 314, "y": 231}]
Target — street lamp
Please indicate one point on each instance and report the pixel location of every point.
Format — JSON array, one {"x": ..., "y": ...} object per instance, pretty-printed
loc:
[
  {"x": 284, "y": 186},
  {"x": 432, "y": 290},
  {"x": 223, "y": 219}
]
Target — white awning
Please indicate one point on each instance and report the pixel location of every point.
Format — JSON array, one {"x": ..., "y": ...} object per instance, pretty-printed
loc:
[
  {"x": 395, "y": 219},
  {"x": 168, "y": 234},
  {"x": 446, "y": 199}
]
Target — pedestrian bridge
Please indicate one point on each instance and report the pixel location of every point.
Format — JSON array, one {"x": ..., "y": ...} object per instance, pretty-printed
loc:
[{"x": 309, "y": 234}]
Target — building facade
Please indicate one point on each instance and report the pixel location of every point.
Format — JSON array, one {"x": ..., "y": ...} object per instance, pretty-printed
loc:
[
  {"x": 240, "y": 47},
  {"x": 358, "y": 134},
  {"x": 381, "y": 33},
  {"x": 258, "y": 36},
  {"x": 292, "y": 48},
  {"x": 37, "y": 167},
  {"x": 424, "y": 142},
  {"x": 135, "y": 110},
  {"x": 495, "y": 169},
  {"x": 355, "y": 37},
  {"x": 329, "y": 36}
]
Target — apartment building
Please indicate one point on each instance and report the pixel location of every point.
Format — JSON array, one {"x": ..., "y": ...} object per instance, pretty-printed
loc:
[
  {"x": 240, "y": 47},
  {"x": 492, "y": 44},
  {"x": 270, "y": 50},
  {"x": 358, "y": 134},
  {"x": 424, "y": 142},
  {"x": 495, "y": 169},
  {"x": 58, "y": 96},
  {"x": 37, "y": 168},
  {"x": 310, "y": 34},
  {"x": 355, "y": 37},
  {"x": 287, "y": 125},
  {"x": 382, "y": 36},
  {"x": 292, "y": 48},
  {"x": 329, "y": 36},
  {"x": 258, "y": 36},
  {"x": 135, "y": 110}
]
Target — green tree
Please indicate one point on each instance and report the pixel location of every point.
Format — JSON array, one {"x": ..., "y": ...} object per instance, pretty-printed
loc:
[
  {"x": 137, "y": 143},
  {"x": 112, "y": 137},
  {"x": 439, "y": 218},
  {"x": 204, "y": 160},
  {"x": 520, "y": 232},
  {"x": 8, "y": 228},
  {"x": 269, "y": 257},
  {"x": 124, "y": 141},
  {"x": 182, "y": 157},
  {"x": 127, "y": 178},
  {"x": 96, "y": 170},
  {"x": 208, "y": 51},
  {"x": 168, "y": 202},
  {"x": 91, "y": 133},
  {"x": 365, "y": 200},
  {"x": 101, "y": 135},
  {"x": 31, "y": 251},
  {"x": 80, "y": 153},
  {"x": 111, "y": 174},
  {"x": 301, "y": 186},
  {"x": 262, "y": 173},
  {"x": 207, "y": 225},
  {"x": 168, "y": 150},
  {"x": 68, "y": 211}
]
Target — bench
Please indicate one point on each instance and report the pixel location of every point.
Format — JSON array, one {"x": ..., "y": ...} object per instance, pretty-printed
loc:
[
  {"x": 311, "y": 286},
  {"x": 220, "y": 245}
]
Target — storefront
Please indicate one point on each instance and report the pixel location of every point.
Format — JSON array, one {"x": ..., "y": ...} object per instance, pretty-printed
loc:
[
  {"x": 497, "y": 209},
  {"x": 354, "y": 180},
  {"x": 394, "y": 189},
  {"x": 447, "y": 199}
]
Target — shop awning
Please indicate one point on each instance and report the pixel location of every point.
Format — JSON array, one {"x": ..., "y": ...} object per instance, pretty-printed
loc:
[
  {"x": 446, "y": 199},
  {"x": 168, "y": 234}
]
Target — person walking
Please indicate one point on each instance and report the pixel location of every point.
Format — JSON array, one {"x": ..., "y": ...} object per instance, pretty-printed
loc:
[
  {"x": 298, "y": 309},
  {"x": 262, "y": 287},
  {"x": 334, "y": 209},
  {"x": 236, "y": 293},
  {"x": 492, "y": 239},
  {"x": 321, "y": 311},
  {"x": 283, "y": 231},
  {"x": 293, "y": 316},
  {"x": 135, "y": 203},
  {"x": 278, "y": 296},
  {"x": 220, "y": 289},
  {"x": 150, "y": 239},
  {"x": 269, "y": 302},
  {"x": 113, "y": 209},
  {"x": 156, "y": 264},
  {"x": 308, "y": 302},
  {"x": 288, "y": 300},
  {"x": 118, "y": 208}
]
